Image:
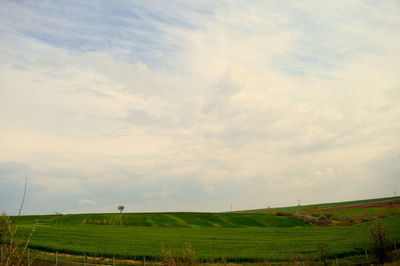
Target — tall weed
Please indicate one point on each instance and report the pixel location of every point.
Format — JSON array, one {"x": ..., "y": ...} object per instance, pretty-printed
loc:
[
  {"x": 13, "y": 252},
  {"x": 177, "y": 257}
]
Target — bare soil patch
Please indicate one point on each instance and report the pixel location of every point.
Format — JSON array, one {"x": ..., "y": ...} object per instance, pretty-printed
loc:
[{"x": 382, "y": 204}]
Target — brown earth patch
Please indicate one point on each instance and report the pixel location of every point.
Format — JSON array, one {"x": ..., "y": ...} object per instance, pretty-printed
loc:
[{"x": 381, "y": 204}]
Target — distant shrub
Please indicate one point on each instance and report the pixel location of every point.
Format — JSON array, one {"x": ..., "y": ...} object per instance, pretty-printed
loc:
[
  {"x": 323, "y": 220},
  {"x": 315, "y": 219},
  {"x": 320, "y": 221},
  {"x": 281, "y": 213}
]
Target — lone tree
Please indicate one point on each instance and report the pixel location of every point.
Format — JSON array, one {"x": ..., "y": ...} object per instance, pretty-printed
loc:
[{"x": 121, "y": 208}]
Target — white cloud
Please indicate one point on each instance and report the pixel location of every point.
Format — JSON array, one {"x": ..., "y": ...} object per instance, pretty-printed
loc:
[
  {"x": 276, "y": 99},
  {"x": 87, "y": 202}
]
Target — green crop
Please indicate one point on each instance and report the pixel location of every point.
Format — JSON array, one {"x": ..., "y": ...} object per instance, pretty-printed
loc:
[
  {"x": 250, "y": 236},
  {"x": 170, "y": 219},
  {"x": 234, "y": 244}
]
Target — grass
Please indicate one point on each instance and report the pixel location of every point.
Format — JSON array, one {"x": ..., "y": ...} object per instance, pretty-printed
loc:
[
  {"x": 234, "y": 244},
  {"x": 318, "y": 215},
  {"x": 218, "y": 220},
  {"x": 250, "y": 236},
  {"x": 319, "y": 206}
]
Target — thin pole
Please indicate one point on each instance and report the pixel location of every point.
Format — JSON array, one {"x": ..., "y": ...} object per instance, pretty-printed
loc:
[
  {"x": 84, "y": 258},
  {"x": 337, "y": 263},
  {"x": 113, "y": 260},
  {"x": 56, "y": 257},
  {"x": 28, "y": 257},
  {"x": 366, "y": 255}
]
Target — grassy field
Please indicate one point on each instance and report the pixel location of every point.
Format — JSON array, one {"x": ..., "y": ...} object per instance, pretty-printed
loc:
[
  {"x": 249, "y": 236},
  {"x": 234, "y": 244},
  {"x": 319, "y": 206},
  {"x": 219, "y": 220},
  {"x": 337, "y": 216}
]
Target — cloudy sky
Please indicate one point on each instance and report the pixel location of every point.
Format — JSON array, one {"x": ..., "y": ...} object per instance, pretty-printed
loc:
[{"x": 197, "y": 105}]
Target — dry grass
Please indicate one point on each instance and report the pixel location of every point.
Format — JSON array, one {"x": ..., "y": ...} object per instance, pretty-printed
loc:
[
  {"x": 13, "y": 252},
  {"x": 177, "y": 257}
]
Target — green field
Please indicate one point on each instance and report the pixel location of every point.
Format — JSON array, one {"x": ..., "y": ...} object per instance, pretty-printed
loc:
[
  {"x": 235, "y": 244},
  {"x": 320, "y": 206},
  {"x": 183, "y": 219},
  {"x": 232, "y": 236}
]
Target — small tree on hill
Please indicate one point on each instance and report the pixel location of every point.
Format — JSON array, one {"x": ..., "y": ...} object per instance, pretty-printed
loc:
[{"x": 121, "y": 208}]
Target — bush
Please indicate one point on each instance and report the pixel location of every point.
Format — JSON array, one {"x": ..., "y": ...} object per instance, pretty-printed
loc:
[
  {"x": 13, "y": 251},
  {"x": 5, "y": 228},
  {"x": 381, "y": 241},
  {"x": 320, "y": 221},
  {"x": 281, "y": 213},
  {"x": 323, "y": 220}
]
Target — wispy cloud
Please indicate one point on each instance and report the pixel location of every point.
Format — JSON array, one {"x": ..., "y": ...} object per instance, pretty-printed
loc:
[
  {"x": 196, "y": 106},
  {"x": 87, "y": 202}
]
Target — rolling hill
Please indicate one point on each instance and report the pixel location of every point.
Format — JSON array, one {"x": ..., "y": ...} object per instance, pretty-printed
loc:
[{"x": 254, "y": 235}]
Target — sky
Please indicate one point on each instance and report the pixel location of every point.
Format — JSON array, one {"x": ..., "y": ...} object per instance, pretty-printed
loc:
[{"x": 197, "y": 105}]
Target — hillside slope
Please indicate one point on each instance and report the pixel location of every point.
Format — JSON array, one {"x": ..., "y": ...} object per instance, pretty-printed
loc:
[
  {"x": 184, "y": 219},
  {"x": 322, "y": 205},
  {"x": 340, "y": 213}
]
